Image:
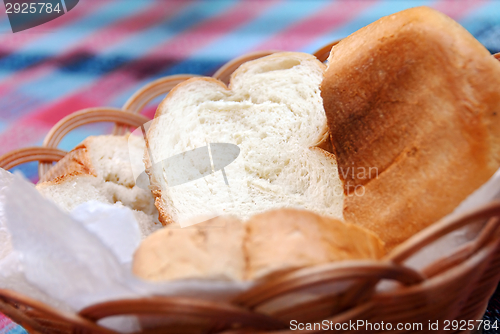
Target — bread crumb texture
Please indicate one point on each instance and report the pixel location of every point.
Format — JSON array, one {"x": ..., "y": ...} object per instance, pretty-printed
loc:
[
  {"x": 274, "y": 113},
  {"x": 417, "y": 97},
  {"x": 99, "y": 169}
]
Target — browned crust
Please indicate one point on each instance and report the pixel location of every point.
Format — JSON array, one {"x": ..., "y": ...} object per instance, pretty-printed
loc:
[
  {"x": 76, "y": 162},
  {"x": 415, "y": 96},
  {"x": 164, "y": 217},
  {"x": 304, "y": 239}
]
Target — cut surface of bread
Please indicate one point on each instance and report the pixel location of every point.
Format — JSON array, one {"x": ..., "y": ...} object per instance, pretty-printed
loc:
[
  {"x": 273, "y": 112},
  {"x": 99, "y": 169},
  {"x": 414, "y": 98},
  {"x": 270, "y": 242}
]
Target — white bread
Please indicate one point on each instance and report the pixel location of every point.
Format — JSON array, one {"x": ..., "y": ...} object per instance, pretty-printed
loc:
[
  {"x": 268, "y": 243},
  {"x": 417, "y": 97},
  {"x": 273, "y": 111},
  {"x": 99, "y": 169}
]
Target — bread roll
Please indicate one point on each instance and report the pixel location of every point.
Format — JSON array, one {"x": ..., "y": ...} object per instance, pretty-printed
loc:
[
  {"x": 286, "y": 239},
  {"x": 209, "y": 252},
  {"x": 274, "y": 113},
  {"x": 414, "y": 99},
  {"x": 99, "y": 169},
  {"x": 268, "y": 243}
]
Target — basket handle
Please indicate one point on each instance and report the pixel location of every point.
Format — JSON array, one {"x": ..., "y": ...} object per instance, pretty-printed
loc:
[
  {"x": 14, "y": 300},
  {"x": 463, "y": 253},
  {"x": 28, "y": 154},
  {"x": 441, "y": 228},
  {"x": 195, "y": 309},
  {"x": 329, "y": 273}
]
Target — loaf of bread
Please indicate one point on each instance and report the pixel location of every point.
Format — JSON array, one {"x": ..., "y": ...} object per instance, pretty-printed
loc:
[
  {"x": 100, "y": 169},
  {"x": 274, "y": 113},
  {"x": 274, "y": 241},
  {"x": 286, "y": 239},
  {"x": 211, "y": 250},
  {"x": 413, "y": 107}
]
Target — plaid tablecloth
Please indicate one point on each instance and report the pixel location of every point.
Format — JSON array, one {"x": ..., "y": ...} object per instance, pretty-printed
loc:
[{"x": 102, "y": 51}]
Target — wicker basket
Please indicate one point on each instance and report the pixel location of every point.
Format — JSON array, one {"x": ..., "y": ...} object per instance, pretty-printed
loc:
[{"x": 456, "y": 287}]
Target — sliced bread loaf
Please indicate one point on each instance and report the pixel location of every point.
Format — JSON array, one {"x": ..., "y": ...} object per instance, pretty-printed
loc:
[
  {"x": 274, "y": 113},
  {"x": 100, "y": 169}
]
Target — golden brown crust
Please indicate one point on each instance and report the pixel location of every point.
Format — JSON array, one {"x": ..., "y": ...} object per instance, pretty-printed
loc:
[
  {"x": 326, "y": 153},
  {"x": 415, "y": 96},
  {"x": 163, "y": 216},
  {"x": 76, "y": 162},
  {"x": 61, "y": 179},
  {"x": 285, "y": 239}
]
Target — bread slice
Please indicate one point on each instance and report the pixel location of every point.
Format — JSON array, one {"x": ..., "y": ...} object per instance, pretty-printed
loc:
[
  {"x": 414, "y": 99},
  {"x": 100, "y": 169},
  {"x": 271, "y": 242},
  {"x": 273, "y": 112}
]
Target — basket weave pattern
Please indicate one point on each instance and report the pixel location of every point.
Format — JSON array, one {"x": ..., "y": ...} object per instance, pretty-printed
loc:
[{"x": 456, "y": 287}]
